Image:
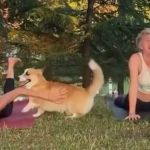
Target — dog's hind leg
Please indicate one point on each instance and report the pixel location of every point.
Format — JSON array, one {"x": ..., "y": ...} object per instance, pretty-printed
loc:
[
  {"x": 39, "y": 112},
  {"x": 75, "y": 115}
]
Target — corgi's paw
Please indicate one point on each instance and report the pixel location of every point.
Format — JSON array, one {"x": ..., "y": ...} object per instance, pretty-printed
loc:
[
  {"x": 36, "y": 115},
  {"x": 75, "y": 115},
  {"x": 20, "y": 98},
  {"x": 39, "y": 113},
  {"x": 71, "y": 116}
]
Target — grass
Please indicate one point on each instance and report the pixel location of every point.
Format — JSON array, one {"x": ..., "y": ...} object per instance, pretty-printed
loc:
[{"x": 98, "y": 130}]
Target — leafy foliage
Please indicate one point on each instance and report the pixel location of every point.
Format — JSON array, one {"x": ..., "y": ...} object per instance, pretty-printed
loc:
[
  {"x": 44, "y": 20},
  {"x": 42, "y": 29},
  {"x": 114, "y": 39}
]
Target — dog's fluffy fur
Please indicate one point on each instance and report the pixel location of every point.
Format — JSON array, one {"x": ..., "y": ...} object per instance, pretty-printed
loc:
[{"x": 79, "y": 100}]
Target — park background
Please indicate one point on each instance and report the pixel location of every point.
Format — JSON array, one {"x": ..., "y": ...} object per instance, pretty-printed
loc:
[{"x": 61, "y": 36}]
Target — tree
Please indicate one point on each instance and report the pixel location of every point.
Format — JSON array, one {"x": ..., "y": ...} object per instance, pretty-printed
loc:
[
  {"x": 86, "y": 44},
  {"x": 38, "y": 29}
]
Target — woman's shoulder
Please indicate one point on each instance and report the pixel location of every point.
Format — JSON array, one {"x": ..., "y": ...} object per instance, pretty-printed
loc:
[{"x": 135, "y": 58}]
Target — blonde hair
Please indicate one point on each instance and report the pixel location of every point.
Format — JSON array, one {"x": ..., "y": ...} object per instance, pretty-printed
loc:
[{"x": 140, "y": 35}]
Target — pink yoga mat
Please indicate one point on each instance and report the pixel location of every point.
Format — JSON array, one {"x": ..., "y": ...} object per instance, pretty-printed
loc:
[{"x": 17, "y": 118}]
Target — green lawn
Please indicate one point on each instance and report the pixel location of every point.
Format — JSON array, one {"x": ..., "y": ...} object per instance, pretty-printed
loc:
[{"x": 98, "y": 130}]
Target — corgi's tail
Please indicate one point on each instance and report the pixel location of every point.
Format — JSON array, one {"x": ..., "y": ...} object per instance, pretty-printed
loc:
[{"x": 98, "y": 78}]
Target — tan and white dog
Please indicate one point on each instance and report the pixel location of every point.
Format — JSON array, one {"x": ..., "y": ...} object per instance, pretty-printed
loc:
[{"x": 79, "y": 100}]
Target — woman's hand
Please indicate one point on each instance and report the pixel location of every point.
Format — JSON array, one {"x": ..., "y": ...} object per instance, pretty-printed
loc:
[{"x": 133, "y": 117}]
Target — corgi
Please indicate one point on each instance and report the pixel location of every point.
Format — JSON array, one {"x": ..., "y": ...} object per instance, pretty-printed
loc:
[{"x": 78, "y": 101}]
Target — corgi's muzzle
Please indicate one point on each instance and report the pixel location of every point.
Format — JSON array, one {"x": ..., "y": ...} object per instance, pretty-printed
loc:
[{"x": 23, "y": 83}]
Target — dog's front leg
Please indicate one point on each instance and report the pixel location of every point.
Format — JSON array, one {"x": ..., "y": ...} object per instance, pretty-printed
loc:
[{"x": 28, "y": 107}]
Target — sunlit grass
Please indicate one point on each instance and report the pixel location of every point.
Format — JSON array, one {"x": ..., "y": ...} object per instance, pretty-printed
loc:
[{"x": 98, "y": 130}]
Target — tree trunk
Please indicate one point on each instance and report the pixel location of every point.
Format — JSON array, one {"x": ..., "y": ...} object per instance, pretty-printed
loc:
[
  {"x": 86, "y": 45},
  {"x": 3, "y": 20},
  {"x": 125, "y": 7},
  {"x": 86, "y": 70}
]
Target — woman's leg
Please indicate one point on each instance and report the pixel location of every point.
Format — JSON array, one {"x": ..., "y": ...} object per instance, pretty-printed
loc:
[
  {"x": 122, "y": 102},
  {"x": 9, "y": 85}
]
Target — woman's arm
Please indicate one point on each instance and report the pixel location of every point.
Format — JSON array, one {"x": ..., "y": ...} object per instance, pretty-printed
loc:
[
  {"x": 134, "y": 64},
  {"x": 55, "y": 95},
  {"x": 7, "y": 98}
]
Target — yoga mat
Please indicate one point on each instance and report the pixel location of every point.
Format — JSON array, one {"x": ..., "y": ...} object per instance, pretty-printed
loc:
[
  {"x": 18, "y": 119},
  {"x": 119, "y": 113}
]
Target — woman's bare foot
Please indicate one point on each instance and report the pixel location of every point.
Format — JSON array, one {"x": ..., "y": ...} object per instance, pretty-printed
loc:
[{"x": 12, "y": 61}]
